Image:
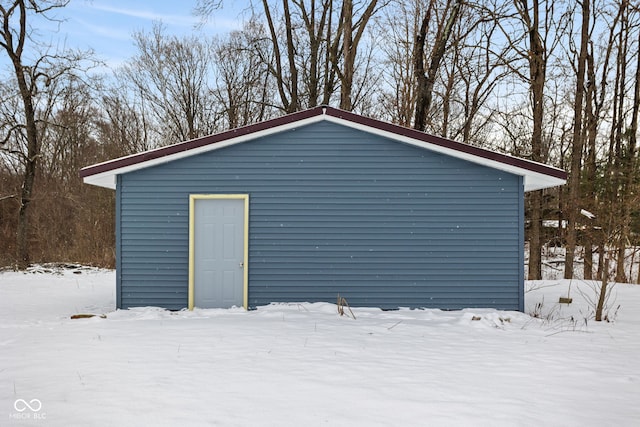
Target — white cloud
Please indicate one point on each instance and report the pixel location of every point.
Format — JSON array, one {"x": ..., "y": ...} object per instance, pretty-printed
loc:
[
  {"x": 171, "y": 19},
  {"x": 104, "y": 31}
]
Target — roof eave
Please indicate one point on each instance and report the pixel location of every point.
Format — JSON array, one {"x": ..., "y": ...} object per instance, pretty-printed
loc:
[
  {"x": 105, "y": 180},
  {"x": 533, "y": 182}
]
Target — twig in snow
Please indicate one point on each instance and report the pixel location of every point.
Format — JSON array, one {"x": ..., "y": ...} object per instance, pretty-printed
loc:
[
  {"x": 394, "y": 325},
  {"x": 342, "y": 301},
  {"x": 568, "y": 330}
]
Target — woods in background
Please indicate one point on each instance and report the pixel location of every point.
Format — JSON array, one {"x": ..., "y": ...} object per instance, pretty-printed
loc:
[{"x": 552, "y": 81}]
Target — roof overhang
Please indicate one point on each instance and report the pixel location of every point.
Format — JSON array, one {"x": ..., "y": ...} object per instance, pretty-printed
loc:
[{"x": 536, "y": 176}]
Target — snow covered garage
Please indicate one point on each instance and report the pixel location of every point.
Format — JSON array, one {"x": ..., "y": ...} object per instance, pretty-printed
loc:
[{"x": 319, "y": 203}]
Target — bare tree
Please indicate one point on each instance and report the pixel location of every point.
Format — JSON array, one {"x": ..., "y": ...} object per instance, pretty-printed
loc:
[
  {"x": 626, "y": 129},
  {"x": 314, "y": 48},
  {"x": 577, "y": 141},
  {"x": 318, "y": 76},
  {"x": 32, "y": 79},
  {"x": 352, "y": 32},
  {"x": 171, "y": 76},
  {"x": 596, "y": 90},
  {"x": 465, "y": 96},
  {"x": 124, "y": 123},
  {"x": 544, "y": 27},
  {"x": 398, "y": 27},
  {"x": 632, "y": 174},
  {"x": 426, "y": 77},
  {"x": 531, "y": 117},
  {"x": 537, "y": 59},
  {"x": 72, "y": 221},
  {"x": 243, "y": 91},
  {"x": 67, "y": 140}
]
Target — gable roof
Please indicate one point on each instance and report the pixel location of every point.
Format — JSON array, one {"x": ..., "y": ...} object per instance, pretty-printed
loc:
[{"x": 536, "y": 175}]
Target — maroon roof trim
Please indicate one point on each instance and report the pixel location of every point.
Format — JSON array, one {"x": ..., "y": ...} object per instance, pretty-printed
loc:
[{"x": 316, "y": 111}]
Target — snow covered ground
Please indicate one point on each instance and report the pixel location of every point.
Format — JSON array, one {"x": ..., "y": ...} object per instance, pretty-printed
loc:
[{"x": 304, "y": 365}]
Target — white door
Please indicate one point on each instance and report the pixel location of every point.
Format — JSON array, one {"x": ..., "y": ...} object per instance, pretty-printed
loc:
[{"x": 218, "y": 270}]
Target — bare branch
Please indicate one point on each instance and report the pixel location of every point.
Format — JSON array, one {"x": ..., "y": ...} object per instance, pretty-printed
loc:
[{"x": 10, "y": 196}]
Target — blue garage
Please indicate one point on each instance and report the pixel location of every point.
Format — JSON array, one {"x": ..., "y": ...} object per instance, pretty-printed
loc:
[{"x": 319, "y": 203}]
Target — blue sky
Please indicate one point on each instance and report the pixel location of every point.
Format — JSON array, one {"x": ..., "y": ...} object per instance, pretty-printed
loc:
[{"x": 106, "y": 26}]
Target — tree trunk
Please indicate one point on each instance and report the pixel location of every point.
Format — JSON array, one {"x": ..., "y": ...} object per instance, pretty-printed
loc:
[
  {"x": 24, "y": 227},
  {"x": 603, "y": 291},
  {"x": 426, "y": 81},
  {"x": 577, "y": 145},
  {"x": 289, "y": 104},
  {"x": 601, "y": 256},
  {"x": 621, "y": 276},
  {"x": 348, "y": 55},
  {"x": 588, "y": 258},
  {"x": 293, "y": 70},
  {"x": 350, "y": 48},
  {"x": 630, "y": 172},
  {"x": 26, "y": 94},
  {"x": 535, "y": 231},
  {"x": 592, "y": 108},
  {"x": 315, "y": 28},
  {"x": 537, "y": 75},
  {"x": 30, "y": 167}
]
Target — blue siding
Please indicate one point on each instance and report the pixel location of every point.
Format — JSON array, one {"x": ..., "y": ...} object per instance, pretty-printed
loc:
[{"x": 334, "y": 210}]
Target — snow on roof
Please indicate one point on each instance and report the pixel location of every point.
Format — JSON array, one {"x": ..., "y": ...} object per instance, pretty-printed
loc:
[{"x": 536, "y": 175}]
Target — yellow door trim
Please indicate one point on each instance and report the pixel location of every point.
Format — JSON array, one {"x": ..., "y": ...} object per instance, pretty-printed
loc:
[{"x": 192, "y": 204}]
